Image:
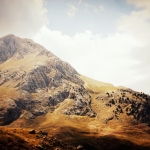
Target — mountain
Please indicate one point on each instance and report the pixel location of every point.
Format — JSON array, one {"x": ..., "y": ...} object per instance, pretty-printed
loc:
[
  {"x": 33, "y": 82},
  {"x": 41, "y": 92}
]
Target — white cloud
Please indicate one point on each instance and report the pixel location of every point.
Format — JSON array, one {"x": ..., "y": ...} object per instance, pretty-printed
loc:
[
  {"x": 96, "y": 10},
  {"x": 89, "y": 8},
  {"x": 140, "y": 3},
  {"x": 22, "y": 18},
  {"x": 72, "y": 10},
  {"x": 80, "y": 2},
  {"x": 89, "y": 5},
  {"x": 101, "y": 7},
  {"x": 136, "y": 24}
]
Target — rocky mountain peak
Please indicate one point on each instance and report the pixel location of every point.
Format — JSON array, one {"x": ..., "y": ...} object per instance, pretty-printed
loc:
[
  {"x": 12, "y": 46},
  {"x": 8, "y": 46}
]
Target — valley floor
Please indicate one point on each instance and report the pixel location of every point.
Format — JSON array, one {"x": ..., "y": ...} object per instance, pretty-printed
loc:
[
  {"x": 74, "y": 132},
  {"x": 71, "y": 138}
]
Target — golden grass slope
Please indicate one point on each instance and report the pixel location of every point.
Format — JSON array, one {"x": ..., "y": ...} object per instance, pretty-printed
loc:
[{"x": 95, "y": 86}]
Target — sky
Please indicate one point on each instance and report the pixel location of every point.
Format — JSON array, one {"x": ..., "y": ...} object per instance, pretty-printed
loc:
[{"x": 107, "y": 40}]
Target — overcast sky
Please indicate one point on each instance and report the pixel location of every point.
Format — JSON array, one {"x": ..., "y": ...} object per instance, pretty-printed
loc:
[{"x": 108, "y": 40}]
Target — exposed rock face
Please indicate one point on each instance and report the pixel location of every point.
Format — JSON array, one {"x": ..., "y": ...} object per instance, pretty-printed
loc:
[
  {"x": 43, "y": 80},
  {"x": 8, "y": 111},
  {"x": 49, "y": 76},
  {"x": 8, "y": 46}
]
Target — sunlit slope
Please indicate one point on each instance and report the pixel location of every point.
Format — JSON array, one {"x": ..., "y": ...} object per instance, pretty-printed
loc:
[
  {"x": 117, "y": 106},
  {"x": 96, "y": 86}
]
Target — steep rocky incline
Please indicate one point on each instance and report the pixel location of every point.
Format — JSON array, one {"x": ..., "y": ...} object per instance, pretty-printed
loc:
[{"x": 42, "y": 80}]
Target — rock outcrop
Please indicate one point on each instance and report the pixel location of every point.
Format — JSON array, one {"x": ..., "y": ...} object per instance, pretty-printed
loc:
[{"x": 8, "y": 111}]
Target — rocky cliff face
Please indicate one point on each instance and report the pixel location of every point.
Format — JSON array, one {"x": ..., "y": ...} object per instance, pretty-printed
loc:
[{"x": 42, "y": 80}]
